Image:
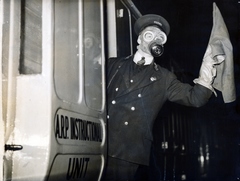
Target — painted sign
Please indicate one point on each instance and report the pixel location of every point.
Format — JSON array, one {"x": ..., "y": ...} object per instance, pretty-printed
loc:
[
  {"x": 74, "y": 129},
  {"x": 75, "y": 167}
]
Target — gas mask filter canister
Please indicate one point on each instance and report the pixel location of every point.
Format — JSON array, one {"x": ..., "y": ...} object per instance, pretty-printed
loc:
[{"x": 156, "y": 49}]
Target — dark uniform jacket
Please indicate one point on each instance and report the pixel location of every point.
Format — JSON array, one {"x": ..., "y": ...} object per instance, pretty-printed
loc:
[{"x": 135, "y": 96}]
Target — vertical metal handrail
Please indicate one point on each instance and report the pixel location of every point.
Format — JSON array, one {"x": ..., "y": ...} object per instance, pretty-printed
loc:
[{"x": 134, "y": 10}]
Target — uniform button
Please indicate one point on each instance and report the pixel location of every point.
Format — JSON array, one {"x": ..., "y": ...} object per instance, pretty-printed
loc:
[
  {"x": 107, "y": 116},
  {"x": 113, "y": 102},
  {"x": 139, "y": 95},
  {"x": 133, "y": 108},
  {"x": 153, "y": 78},
  {"x": 131, "y": 81},
  {"x": 116, "y": 89},
  {"x": 126, "y": 123}
]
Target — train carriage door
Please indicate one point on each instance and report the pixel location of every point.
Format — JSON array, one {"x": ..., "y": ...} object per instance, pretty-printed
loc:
[
  {"x": 52, "y": 90},
  {"x": 79, "y": 90}
]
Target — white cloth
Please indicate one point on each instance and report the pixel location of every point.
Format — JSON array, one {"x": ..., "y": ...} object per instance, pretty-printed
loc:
[{"x": 221, "y": 46}]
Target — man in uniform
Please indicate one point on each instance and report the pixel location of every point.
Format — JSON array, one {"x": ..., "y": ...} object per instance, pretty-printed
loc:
[{"x": 137, "y": 89}]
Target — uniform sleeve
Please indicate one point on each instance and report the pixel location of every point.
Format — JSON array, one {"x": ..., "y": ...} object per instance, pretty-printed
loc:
[{"x": 186, "y": 94}]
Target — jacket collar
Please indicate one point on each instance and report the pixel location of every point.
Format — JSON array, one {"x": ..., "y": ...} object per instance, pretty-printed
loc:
[{"x": 138, "y": 56}]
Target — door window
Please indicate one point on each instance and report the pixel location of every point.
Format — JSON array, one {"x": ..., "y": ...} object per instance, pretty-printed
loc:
[
  {"x": 92, "y": 54},
  {"x": 78, "y": 52},
  {"x": 66, "y": 50}
]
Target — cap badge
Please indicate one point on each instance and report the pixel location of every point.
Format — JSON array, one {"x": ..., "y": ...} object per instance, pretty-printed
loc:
[{"x": 156, "y": 22}]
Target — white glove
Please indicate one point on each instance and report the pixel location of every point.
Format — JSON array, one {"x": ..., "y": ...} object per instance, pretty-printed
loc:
[{"x": 208, "y": 71}]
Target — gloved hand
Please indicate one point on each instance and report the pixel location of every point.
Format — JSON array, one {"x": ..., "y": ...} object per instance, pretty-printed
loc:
[{"x": 208, "y": 71}]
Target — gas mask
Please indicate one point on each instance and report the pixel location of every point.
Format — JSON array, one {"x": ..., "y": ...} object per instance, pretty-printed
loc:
[{"x": 151, "y": 41}]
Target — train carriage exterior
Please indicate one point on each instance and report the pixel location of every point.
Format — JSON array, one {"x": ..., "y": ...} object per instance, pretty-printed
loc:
[{"x": 53, "y": 111}]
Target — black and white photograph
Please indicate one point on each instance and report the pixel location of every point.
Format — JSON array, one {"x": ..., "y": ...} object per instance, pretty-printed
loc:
[{"x": 120, "y": 90}]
